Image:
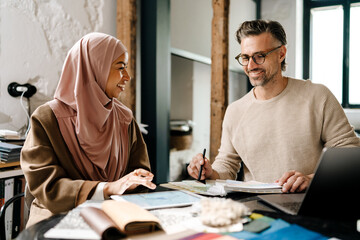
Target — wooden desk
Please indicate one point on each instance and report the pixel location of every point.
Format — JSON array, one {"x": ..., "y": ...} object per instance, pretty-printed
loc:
[{"x": 330, "y": 228}]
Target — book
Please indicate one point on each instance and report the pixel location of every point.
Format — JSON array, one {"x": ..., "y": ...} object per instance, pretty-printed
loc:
[
  {"x": 9, "y": 148},
  {"x": 252, "y": 187},
  {"x": 119, "y": 219},
  {"x": 9, "y": 152},
  {"x": 9, "y": 193},
  {"x": 2, "y": 192},
  {"x": 18, "y": 207},
  {"x": 24, "y": 210}
]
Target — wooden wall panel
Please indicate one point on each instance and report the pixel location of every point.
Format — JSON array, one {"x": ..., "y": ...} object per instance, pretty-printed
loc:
[
  {"x": 126, "y": 32},
  {"x": 219, "y": 71}
]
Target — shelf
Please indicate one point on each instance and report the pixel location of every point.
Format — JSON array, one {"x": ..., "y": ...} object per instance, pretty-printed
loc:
[
  {"x": 199, "y": 58},
  {"x": 7, "y": 165},
  {"x": 11, "y": 173},
  {"x": 7, "y": 170}
]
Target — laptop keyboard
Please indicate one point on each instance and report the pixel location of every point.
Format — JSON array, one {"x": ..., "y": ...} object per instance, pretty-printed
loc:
[{"x": 291, "y": 206}]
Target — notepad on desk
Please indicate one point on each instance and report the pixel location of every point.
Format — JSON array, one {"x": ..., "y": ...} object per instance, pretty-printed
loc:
[{"x": 252, "y": 187}]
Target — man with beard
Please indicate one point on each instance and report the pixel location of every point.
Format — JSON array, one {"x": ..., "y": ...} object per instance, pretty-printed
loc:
[{"x": 278, "y": 129}]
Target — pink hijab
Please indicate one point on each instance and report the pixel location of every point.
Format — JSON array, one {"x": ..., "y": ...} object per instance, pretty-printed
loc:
[{"x": 94, "y": 127}]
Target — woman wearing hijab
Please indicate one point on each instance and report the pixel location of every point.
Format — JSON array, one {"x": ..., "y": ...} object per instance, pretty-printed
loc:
[{"x": 85, "y": 144}]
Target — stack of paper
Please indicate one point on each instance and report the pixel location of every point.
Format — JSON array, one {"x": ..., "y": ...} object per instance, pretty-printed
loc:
[
  {"x": 8, "y": 134},
  {"x": 252, "y": 187},
  {"x": 222, "y": 187},
  {"x": 9, "y": 152}
]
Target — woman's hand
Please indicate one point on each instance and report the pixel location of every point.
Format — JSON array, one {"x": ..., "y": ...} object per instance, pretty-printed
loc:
[{"x": 129, "y": 182}]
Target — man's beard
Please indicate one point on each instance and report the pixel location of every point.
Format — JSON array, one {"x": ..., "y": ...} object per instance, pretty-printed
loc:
[{"x": 262, "y": 80}]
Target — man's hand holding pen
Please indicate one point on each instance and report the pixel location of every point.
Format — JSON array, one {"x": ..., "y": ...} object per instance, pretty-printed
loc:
[{"x": 195, "y": 165}]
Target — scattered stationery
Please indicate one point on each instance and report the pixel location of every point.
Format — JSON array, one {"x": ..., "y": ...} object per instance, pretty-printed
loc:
[
  {"x": 115, "y": 219},
  {"x": 156, "y": 200},
  {"x": 293, "y": 232},
  {"x": 198, "y": 218},
  {"x": 252, "y": 187},
  {"x": 256, "y": 226},
  {"x": 277, "y": 229},
  {"x": 208, "y": 236}
]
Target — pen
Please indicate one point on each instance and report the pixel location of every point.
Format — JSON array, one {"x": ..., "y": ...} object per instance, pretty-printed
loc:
[{"x": 201, "y": 167}]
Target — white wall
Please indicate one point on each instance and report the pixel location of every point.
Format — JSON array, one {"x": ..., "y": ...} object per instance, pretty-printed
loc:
[
  {"x": 181, "y": 88},
  {"x": 34, "y": 39},
  {"x": 289, "y": 15},
  {"x": 240, "y": 11},
  {"x": 191, "y": 26}
]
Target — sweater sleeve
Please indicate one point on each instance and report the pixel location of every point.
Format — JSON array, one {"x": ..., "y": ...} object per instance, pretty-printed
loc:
[
  {"x": 54, "y": 182},
  {"x": 336, "y": 131},
  {"x": 227, "y": 162}
]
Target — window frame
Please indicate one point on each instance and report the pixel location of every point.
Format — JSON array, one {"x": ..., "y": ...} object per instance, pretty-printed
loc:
[{"x": 308, "y": 5}]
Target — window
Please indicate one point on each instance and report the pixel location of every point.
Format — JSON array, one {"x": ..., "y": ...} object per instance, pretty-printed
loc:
[
  {"x": 326, "y": 64},
  {"x": 331, "y": 49},
  {"x": 354, "y": 58}
]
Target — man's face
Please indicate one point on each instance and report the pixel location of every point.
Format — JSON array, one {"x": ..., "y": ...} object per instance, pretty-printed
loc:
[{"x": 262, "y": 74}]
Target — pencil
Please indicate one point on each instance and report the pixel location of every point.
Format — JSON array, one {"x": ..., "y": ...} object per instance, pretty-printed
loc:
[{"x": 201, "y": 167}]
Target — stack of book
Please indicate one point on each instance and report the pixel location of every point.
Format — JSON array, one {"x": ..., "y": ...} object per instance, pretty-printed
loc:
[{"x": 9, "y": 152}]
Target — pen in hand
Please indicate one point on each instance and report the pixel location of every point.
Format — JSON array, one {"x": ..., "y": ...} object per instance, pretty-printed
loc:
[{"x": 201, "y": 167}]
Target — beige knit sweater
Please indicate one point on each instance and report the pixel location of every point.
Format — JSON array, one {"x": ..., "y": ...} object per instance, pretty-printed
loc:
[{"x": 287, "y": 132}]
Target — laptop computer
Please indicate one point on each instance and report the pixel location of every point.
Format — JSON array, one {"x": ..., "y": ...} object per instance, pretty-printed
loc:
[{"x": 334, "y": 192}]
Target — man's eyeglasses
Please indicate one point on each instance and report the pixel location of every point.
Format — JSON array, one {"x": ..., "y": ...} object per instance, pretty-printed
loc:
[{"x": 258, "y": 58}]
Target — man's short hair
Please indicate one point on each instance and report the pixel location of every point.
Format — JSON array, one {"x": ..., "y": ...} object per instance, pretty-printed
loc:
[{"x": 257, "y": 27}]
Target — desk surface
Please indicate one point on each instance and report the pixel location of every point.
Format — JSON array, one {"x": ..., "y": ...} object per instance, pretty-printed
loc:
[{"x": 330, "y": 228}]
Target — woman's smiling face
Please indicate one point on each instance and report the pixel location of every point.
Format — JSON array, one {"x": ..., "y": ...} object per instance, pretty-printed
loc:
[{"x": 118, "y": 76}]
